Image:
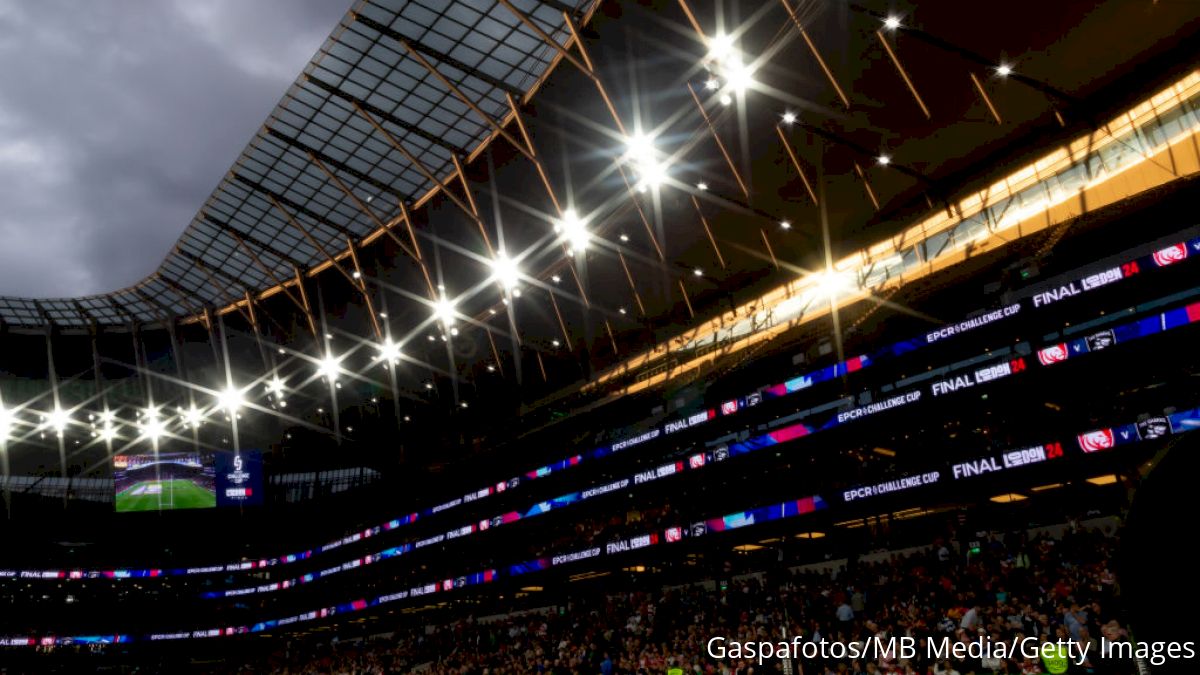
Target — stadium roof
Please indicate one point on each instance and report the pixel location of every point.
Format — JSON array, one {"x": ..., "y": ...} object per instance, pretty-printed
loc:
[
  {"x": 844, "y": 128},
  {"x": 319, "y": 173}
]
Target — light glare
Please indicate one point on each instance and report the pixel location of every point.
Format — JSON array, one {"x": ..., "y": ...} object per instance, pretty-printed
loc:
[
  {"x": 505, "y": 271},
  {"x": 832, "y": 283},
  {"x": 152, "y": 427},
  {"x": 720, "y": 47},
  {"x": 58, "y": 419},
  {"x": 231, "y": 399},
  {"x": 644, "y": 157},
  {"x": 389, "y": 351},
  {"x": 330, "y": 367},
  {"x": 573, "y": 231},
  {"x": 739, "y": 75},
  {"x": 192, "y": 417},
  {"x": 443, "y": 311}
]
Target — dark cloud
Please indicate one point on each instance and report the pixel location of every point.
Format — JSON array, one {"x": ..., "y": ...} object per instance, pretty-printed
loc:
[{"x": 118, "y": 118}]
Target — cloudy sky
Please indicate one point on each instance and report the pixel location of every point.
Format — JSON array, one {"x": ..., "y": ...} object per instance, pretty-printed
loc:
[{"x": 118, "y": 118}]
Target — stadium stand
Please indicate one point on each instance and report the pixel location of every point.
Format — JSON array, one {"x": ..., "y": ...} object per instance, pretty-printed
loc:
[{"x": 597, "y": 337}]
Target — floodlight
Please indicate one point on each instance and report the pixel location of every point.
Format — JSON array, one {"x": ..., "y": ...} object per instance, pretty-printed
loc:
[
  {"x": 329, "y": 367},
  {"x": 192, "y": 417},
  {"x": 739, "y": 75},
  {"x": 830, "y": 284},
  {"x": 573, "y": 230},
  {"x": 6, "y": 423},
  {"x": 443, "y": 311},
  {"x": 505, "y": 271},
  {"x": 231, "y": 399},
  {"x": 389, "y": 351},
  {"x": 58, "y": 419},
  {"x": 720, "y": 47},
  {"x": 152, "y": 426}
]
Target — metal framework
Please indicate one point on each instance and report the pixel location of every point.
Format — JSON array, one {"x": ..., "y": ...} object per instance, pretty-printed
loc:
[{"x": 435, "y": 75}]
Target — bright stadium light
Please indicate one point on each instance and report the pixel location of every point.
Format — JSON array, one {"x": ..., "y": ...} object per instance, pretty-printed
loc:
[
  {"x": 6, "y": 423},
  {"x": 192, "y": 417},
  {"x": 108, "y": 430},
  {"x": 892, "y": 22},
  {"x": 641, "y": 148},
  {"x": 443, "y": 311},
  {"x": 152, "y": 426},
  {"x": 231, "y": 399},
  {"x": 505, "y": 270},
  {"x": 57, "y": 419},
  {"x": 573, "y": 231},
  {"x": 720, "y": 47},
  {"x": 644, "y": 158},
  {"x": 1004, "y": 70},
  {"x": 276, "y": 387},
  {"x": 740, "y": 76},
  {"x": 389, "y": 352},
  {"x": 832, "y": 283},
  {"x": 789, "y": 118},
  {"x": 330, "y": 367}
]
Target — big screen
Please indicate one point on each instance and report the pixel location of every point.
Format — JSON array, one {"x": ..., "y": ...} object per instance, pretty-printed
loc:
[
  {"x": 164, "y": 481},
  {"x": 239, "y": 478}
]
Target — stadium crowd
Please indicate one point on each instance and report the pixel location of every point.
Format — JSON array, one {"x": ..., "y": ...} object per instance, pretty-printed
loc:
[{"x": 1011, "y": 587}]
